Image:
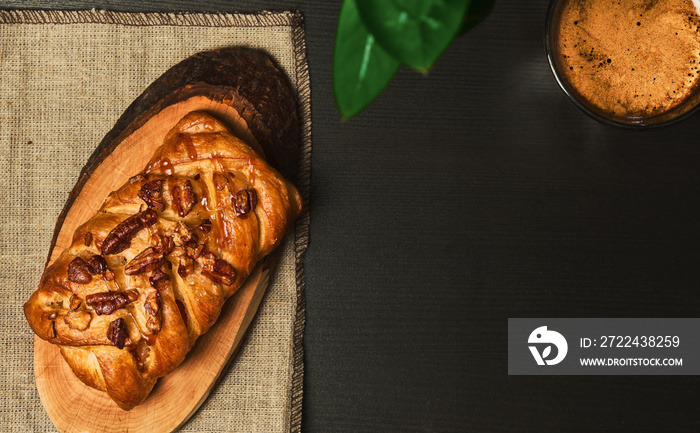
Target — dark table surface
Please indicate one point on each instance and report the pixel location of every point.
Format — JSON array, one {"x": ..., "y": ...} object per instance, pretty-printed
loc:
[{"x": 466, "y": 197}]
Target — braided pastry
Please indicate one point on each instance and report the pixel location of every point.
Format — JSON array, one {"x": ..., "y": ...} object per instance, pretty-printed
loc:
[{"x": 149, "y": 273}]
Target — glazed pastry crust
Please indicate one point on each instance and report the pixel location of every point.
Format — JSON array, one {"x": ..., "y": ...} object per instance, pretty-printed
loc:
[{"x": 177, "y": 240}]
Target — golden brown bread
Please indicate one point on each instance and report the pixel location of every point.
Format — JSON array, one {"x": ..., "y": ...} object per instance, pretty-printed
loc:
[{"x": 150, "y": 272}]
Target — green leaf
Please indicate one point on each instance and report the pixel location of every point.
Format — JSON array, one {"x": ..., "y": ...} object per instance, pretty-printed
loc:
[
  {"x": 415, "y": 32},
  {"x": 361, "y": 68},
  {"x": 478, "y": 11}
]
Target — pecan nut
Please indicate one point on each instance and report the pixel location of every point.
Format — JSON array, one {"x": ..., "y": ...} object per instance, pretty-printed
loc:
[
  {"x": 205, "y": 226},
  {"x": 117, "y": 332},
  {"x": 194, "y": 251},
  {"x": 97, "y": 265},
  {"x": 78, "y": 320},
  {"x": 183, "y": 235},
  {"x": 159, "y": 279},
  {"x": 152, "y": 307},
  {"x": 185, "y": 267},
  {"x": 165, "y": 244},
  {"x": 220, "y": 181},
  {"x": 244, "y": 201},
  {"x": 151, "y": 193},
  {"x": 88, "y": 239},
  {"x": 140, "y": 353},
  {"x": 216, "y": 269},
  {"x": 147, "y": 260},
  {"x": 120, "y": 237},
  {"x": 183, "y": 198},
  {"x": 79, "y": 271},
  {"x": 152, "y": 303},
  {"x": 108, "y": 302},
  {"x": 154, "y": 324}
]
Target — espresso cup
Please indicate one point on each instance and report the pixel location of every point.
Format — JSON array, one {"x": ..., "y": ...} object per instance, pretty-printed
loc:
[{"x": 630, "y": 63}]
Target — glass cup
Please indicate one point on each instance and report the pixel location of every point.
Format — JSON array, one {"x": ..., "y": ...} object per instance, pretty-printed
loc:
[{"x": 629, "y": 63}]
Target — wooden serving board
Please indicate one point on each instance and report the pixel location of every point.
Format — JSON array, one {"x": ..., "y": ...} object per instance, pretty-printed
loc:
[{"x": 219, "y": 83}]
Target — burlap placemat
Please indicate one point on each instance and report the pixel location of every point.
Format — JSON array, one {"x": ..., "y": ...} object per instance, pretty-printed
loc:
[{"x": 65, "y": 78}]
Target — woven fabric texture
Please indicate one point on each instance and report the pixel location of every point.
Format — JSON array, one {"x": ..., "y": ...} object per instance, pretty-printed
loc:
[{"x": 66, "y": 77}]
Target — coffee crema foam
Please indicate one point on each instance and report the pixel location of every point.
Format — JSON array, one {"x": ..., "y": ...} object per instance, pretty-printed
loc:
[{"x": 629, "y": 58}]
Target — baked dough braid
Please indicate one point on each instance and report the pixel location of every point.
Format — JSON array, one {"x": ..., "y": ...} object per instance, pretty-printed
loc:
[{"x": 150, "y": 272}]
